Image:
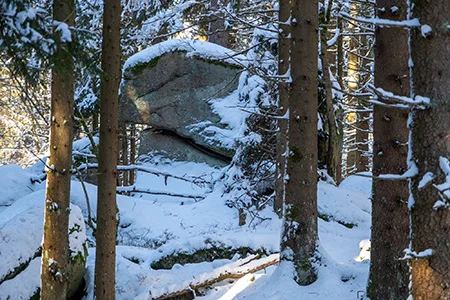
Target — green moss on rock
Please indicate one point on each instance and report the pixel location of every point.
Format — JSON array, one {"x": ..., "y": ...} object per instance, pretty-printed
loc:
[{"x": 140, "y": 67}]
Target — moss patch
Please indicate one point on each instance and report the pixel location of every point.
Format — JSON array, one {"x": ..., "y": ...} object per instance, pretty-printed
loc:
[
  {"x": 348, "y": 225},
  {"x": 202, "y": 255},
  {"x": 328, "y": 218},
  {"x": 219, "y": 63},
  {"x": 36, "y": 295},
  {"x": 324, "y": 217},
  {"x": 295, "y": 155},
  {"x": 139, "y": 68}
]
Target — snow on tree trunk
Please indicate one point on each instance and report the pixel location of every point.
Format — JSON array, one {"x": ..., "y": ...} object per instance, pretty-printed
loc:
[
  {"x": 430, "y": 151},
  {"x": 105, "y": 263},
  {"x": 55, "y": 248},
  {"x": 389, "y": 276},
  {"x": 299, "y": 237}
]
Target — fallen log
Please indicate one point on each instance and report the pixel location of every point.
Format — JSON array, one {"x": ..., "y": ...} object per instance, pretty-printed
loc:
[{"x": 251, "y": 265}]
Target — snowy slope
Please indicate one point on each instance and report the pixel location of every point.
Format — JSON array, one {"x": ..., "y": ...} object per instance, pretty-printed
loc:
[{"x": 154, "y": 226}]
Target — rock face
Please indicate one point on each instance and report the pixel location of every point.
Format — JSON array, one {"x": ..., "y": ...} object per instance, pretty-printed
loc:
[{"x": 173, "y": 85}]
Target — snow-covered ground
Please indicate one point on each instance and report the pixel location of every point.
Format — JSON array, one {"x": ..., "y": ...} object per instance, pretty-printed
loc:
[{"x": 154, "y": 226}]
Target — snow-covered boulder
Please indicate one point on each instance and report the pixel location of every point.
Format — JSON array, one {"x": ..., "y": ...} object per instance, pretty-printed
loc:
[
  {"x": 174, "y": 85},
  {"x": 21, "y": 230}
]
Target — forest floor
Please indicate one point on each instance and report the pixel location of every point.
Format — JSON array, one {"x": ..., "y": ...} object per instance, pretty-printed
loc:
[{"x": 153, "y": 227}]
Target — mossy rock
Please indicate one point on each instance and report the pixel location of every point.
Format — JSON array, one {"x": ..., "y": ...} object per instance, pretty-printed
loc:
[{"x": 174, "y": 90}]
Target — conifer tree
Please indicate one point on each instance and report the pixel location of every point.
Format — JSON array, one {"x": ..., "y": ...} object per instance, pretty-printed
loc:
[
  {"x": 105, "y": 263},
  {"x": 299, "y": 237},
  {"x": 55, "y": 248},
  {"x": 430, "y": 152},
  {"x": 389, "y": 276}
]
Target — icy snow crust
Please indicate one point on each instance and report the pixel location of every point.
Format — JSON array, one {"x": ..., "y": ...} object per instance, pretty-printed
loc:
[{"x": 154, "y": 226}]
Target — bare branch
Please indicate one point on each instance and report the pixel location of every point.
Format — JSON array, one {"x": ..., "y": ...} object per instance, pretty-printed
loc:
[{"x": 134, "y": 189}]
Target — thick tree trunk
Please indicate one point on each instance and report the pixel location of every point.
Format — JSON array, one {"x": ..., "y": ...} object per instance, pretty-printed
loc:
[
  {"x": 55, "y": 248},
  {"x": 389, "y": 276},
  {"x": 299, "y": 237},
  {"x": 430, "y": 143},
  {"x": 105, "y": 263},
  {"x": 283, "y": 103}
]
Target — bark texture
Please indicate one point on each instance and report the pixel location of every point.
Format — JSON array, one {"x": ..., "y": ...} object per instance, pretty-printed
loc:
[
  {"x": 283, "y": 103},
  {"x": 299, "y": 238},
  {"x": 363, "y": 118},
  {"x": 55, "y": 247},
  {"x": 105, "y": 263},
  {"x": 217, "y": 32},
  {"x": 430, "y": 147},
  {"x": 389, "y": 276},
  {"x": 334, "y": 140}
]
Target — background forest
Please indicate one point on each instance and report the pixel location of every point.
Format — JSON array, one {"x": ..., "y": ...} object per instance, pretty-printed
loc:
[{"x": 224, "y": 149}]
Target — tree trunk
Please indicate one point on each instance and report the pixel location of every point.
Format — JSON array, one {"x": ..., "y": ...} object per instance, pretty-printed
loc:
[
  {"x": 217, "y": 32},
  {"x": 105, "y": 263},
  {"x": 389, "y": 276},
  {"x": 363, "y": 119},
  {"x": 362, "y": 140},
  {"x": 352, "y": 86},
  {"x": 55, "y": 248},
  {"x": 430, "y": 147},
  {"x": 132, "y": 152},
  {"x": 124, "y": 154},
  {"x": 339, "y": 50},
  {"x": 283, "y": 103},
  {"x": 357, "y": 159},
  {"x": 339, "y": 76},
  {"x": 299, "y": 237},
  {"x": 333, "y": 141}
]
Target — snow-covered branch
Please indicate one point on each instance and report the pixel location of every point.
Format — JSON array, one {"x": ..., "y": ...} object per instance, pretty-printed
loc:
[
  {"x": 382, "y": 95},
  {"x": 134, "y": 189},
  {"x": 381, "y": 22},
  {"x": 410, "y": 173},
  {"x": 191, "y": 179},
  {"x": 409, "y": 254}
]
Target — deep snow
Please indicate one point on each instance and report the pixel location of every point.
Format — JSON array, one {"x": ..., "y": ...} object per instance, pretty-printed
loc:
[{"x": 152, "y": 227}]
